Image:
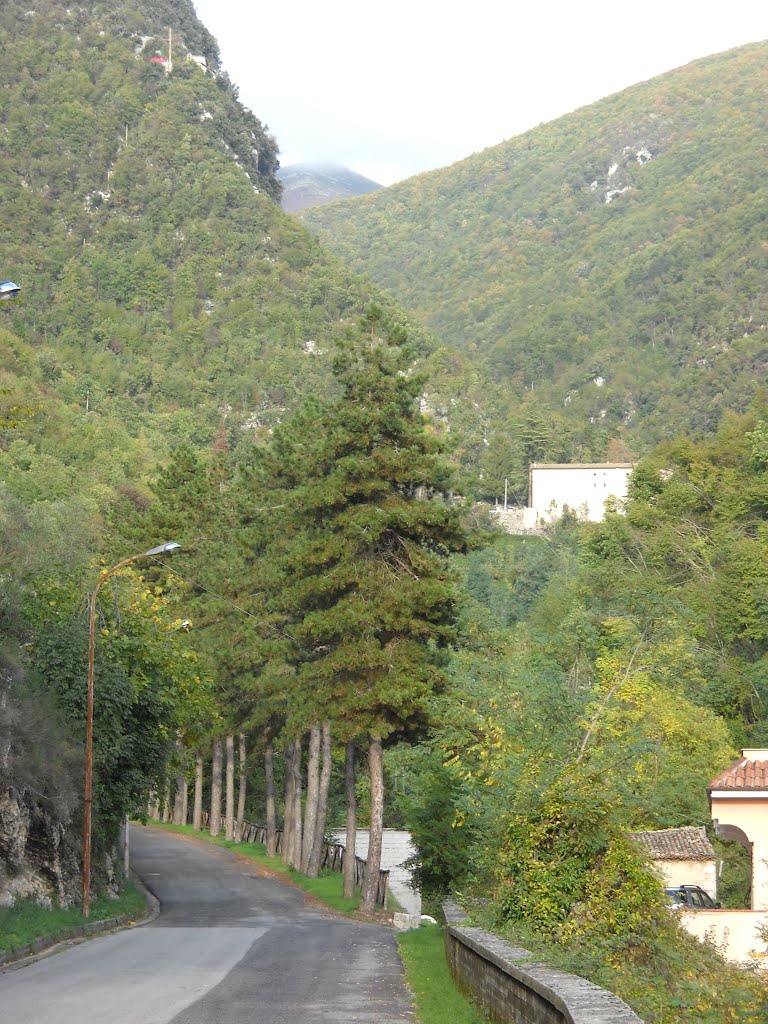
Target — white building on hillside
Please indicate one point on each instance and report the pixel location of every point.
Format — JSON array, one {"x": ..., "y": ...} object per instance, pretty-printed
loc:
[{"x": 583, "y": 488}]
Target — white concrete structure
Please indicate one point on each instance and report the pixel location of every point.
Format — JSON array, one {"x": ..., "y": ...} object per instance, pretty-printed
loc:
[
  {"x": 396, "y": 847},
  {"x": 583, "y": 488},
  {"x": 735, "y": 933}
]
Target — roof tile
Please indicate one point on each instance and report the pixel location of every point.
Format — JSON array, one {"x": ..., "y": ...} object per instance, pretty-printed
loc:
[
  {"x": 743, "y": 774},
  {"x": 676, "y": 844}
]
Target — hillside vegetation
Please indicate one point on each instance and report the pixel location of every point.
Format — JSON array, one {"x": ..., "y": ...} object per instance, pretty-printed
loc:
[
  {"x": 606, "y": 269},
  {"x": 164, "y": 293},
  {"x": 166, "y": 302}
]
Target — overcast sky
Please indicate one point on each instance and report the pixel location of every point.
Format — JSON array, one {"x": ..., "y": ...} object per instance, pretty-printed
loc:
[{"x": 401, "y": 86}]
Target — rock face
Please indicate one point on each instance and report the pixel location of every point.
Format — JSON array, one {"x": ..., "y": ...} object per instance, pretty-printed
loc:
[{"x": 39, "y": 855}]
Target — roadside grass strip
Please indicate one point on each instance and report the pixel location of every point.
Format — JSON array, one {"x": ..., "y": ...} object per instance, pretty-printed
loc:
[
  {"x": 434, "y": 991},
  {"x": 328, "y": 888},
  {"x": 26, "y": 923}
]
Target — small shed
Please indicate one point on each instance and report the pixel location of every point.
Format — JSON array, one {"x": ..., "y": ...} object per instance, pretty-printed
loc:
[{"x": 683, "y": 856}]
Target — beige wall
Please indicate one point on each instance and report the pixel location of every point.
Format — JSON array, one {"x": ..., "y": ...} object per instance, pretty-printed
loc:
[
  {"x": 746, "y": 813},
  {"x": 689, "y": 872},
  {"x": 734, "y": 932},
  {"x": 581, "y": 488}
]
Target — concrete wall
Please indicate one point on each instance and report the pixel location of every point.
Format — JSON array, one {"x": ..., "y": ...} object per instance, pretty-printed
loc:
[
  {"x": 516, "y": 520},
  {"x": 583, "y": 488},
  {"x": 396, "y": 847},
  {"x": 734, "y": 932},
  {"x": 513, "y": 989}
]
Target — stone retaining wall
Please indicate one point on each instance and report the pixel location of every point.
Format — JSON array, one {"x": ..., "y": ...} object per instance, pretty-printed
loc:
[{"x": 512, "y": 988}]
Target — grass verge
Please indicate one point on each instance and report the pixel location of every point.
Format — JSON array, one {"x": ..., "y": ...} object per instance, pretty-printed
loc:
[
  {"x": 328, "y": 887},
  {"x": 26, "y": 922},
  {"x": 434, "y": 992}
]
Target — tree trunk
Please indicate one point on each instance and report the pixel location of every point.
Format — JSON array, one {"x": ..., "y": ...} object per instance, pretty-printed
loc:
[
  {"x": 269, "y": 773},
  {"x": 179, "y": 799},
  {"x": 185, "y": 803},
  {"x": 241, "y": 790},
  {"x": 313, "y": 866},
  {"x": 313, "y": 794},
  {"x": 351, "y": 840},
  {"x": 167, "y": 801},
  {"x": 229, "y": 819},
  {"x": 297, "y": 790},
  {"x": 215, "y": 815},
  {"x": 376, "y": 770},
  {"x": 288, "y": 817},
  {"x": 197, "y": 810}
]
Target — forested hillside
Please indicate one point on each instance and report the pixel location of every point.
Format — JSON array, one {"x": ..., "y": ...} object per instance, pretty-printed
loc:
[
  {"x": 166, "y": 302},
  {"x": 606, "y": 270},
  {"x": 163, "y": 291},
  {"x": 187, "y": 363}
]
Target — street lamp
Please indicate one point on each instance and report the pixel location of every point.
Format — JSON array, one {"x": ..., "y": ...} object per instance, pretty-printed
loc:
[{"x": 161, "y": 549}]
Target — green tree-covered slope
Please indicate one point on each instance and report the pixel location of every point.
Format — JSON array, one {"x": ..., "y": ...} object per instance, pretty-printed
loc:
[
  {"x": 163, "y": 290},
  {"x": 608, "y": 268}
]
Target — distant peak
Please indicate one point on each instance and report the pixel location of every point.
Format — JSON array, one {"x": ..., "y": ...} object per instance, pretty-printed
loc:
[{"x": 314, "y": 184}]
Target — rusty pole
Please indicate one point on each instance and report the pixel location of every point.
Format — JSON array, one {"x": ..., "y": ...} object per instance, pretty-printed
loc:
[{"x": 88, "y": 798}]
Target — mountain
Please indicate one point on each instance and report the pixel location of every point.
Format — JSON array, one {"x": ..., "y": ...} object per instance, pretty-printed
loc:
[
  {"x": 607, "y": 270},
  {"x": 308, "y": 185},
  {"x": 163, "y": 291}
]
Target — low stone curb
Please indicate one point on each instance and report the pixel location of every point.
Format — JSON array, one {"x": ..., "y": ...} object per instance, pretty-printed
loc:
[
  {"x": 45, "y": 944},
  {"x": 514, "y": 987}
]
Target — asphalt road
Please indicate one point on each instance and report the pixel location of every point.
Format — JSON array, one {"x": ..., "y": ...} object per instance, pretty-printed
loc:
[{"x": 229, "y": 947}]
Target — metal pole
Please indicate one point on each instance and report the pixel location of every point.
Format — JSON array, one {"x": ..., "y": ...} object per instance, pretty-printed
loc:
[
  {"x": 88, "y": 798},
  {"x": 126, "y": 847},
  {"x": 89, "y": 759}
]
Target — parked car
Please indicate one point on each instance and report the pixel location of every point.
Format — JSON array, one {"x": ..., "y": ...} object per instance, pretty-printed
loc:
[{"x": 690, "y": 897}]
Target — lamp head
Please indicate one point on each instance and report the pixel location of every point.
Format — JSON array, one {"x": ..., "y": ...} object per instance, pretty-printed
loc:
[{"x": 163, "y": 549}]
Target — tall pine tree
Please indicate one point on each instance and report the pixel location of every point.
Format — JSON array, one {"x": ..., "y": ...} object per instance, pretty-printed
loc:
[{"x": 364, "y": 557}]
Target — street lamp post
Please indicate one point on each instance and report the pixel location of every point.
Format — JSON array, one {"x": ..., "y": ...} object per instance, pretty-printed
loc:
[{"x": 161, "y": 549}]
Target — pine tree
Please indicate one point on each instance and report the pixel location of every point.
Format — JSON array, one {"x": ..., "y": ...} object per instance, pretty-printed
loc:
[{"x": 363, "y": 560}]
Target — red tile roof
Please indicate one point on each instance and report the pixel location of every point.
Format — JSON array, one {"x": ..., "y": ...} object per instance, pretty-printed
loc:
[
  {"x": 688, "y": 843},
  {"x": 743, "y": 774}
]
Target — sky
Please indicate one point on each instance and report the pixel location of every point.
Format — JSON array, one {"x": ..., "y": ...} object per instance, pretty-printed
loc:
[{"x": 398, "y": 87}]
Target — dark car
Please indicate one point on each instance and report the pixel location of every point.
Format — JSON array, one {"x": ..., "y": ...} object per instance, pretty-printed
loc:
[{"x": 690, "y": 897}]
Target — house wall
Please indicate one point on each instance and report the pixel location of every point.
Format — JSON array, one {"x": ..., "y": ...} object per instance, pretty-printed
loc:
[
  {"x": 689, "y": 872},
  {"x": 747, "y": 812},
  {"x": 579, "y": 487}
]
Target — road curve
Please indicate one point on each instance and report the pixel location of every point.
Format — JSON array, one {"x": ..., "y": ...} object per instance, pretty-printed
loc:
[{"x": 229, "y": 947}]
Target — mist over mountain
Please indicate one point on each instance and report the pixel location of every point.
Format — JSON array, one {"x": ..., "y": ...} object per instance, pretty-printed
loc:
[{"x": 307, "y": 185}]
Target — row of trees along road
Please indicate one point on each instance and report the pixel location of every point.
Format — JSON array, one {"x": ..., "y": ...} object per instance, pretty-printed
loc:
[{"x": 317, "y": 578}]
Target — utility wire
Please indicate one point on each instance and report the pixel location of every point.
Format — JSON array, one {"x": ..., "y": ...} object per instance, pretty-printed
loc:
[{"x": 195, "y": 583}]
